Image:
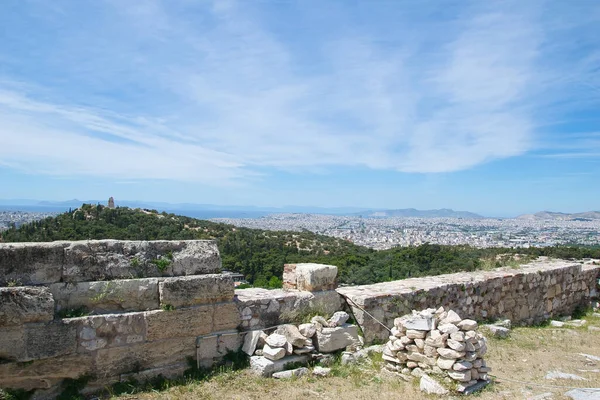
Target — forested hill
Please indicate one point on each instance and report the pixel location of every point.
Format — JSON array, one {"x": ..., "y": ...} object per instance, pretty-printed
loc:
[{"x": 260, "y": 255}]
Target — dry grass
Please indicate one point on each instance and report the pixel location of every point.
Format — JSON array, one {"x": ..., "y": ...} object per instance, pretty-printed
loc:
[{"x": 526, "y": 357}]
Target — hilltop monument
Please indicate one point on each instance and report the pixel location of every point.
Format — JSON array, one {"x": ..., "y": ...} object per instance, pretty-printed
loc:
[{"x": 111, "y": 202}]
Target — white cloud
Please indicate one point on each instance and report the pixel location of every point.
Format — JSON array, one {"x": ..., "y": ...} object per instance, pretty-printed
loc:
[{"x": 227, "y": 96}]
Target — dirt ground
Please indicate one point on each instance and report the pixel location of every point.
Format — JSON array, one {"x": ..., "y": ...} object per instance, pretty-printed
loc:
[{"x": 519, "y": 365}]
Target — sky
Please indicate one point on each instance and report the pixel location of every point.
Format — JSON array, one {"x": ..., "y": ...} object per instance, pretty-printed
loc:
[{"x": 486, "y": 106}]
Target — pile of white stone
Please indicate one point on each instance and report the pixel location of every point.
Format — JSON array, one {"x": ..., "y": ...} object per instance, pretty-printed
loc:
[
  {"x": 290, "y": 344},
  {"x": 438, "y": 343}
]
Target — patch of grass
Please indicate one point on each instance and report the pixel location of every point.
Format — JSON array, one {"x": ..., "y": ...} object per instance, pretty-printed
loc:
[
  {"x": 168, "y": 307},
  {"x": 162, "y": 263},
  {"x": 301, "y": 316},
  {"x": 81, "y": 311},
  {"x": 135, "y": 262},
  {"x": 15, "y": 394}
]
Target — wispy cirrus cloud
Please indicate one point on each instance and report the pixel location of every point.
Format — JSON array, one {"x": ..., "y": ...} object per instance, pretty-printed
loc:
[{"x": 216, "y": 91}]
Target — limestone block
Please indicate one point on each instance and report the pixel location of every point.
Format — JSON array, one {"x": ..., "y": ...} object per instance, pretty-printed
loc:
[
  {"x": 265, "y": 367},
  {"x": 102, "y": 297},
  {"x": 20, "y": 305},
  {"x": 298, "y": 372},
  {"x": 194, "y": 321},
  {"x": 96, "y": 260},
  {"x": 118, "y": 360},
  {"x": 12, "y": 343},
  {"x": 251, "y": 341},
  {"x": 418, "y": 322},
  {"x": 310, "y": 277},
  {"x": 226, "y": 317},
  {"x": 169, "y": 372},
  {"x": 332, "y": 339},
  {"x": 273, "y": 353},
  {"x": 194, "y": 290},
  {"x": 449, "y": 353},
  {"x": 307, "y": 330},
  {"x": 213, "y": 347},
  {"x": 338, "y": 318},
  {"x": 42, "y": 374},
  {"x": 31, "y": 263},
  {"x": 291, "y": 334},
  {"x": 53, "y": 339},
  {"x": 110, "y": 330},
  {"x": 431, "y": 386}
]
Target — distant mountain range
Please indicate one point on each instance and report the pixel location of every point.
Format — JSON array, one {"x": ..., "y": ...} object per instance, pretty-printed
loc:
[
  {"x": 207, "y": 211},
  {"x": 558, "y": 216},
  {"x": 414, "y": 213}
]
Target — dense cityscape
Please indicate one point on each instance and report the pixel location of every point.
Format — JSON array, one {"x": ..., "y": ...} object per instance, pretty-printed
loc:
[
  {"x": 385, "y": 233},
  {"x": 8, "y": 218}
]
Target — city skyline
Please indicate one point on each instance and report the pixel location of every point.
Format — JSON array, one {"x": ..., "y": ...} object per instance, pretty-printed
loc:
[{"x": 485, "y": 107}]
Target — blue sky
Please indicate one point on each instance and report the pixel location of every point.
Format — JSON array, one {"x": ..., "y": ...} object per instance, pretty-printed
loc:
[{"x": 491, "y": 106}]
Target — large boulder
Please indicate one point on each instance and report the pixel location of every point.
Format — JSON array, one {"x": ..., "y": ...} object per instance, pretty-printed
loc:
[
  {"x": 292, "y": 335},
  {"x": 309, "y": 277},
  {"x": 20, "y": 305}
]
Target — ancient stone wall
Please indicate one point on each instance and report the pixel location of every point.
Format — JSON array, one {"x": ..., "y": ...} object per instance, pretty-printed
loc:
[
  {"x": 147, "y": 308},
  {"x": 526, "y": 295},
  {"x": 129, "y": 328}
]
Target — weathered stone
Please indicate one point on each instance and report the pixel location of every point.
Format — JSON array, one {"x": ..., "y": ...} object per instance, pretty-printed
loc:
[
  {"x": 226, "y": 317},
  {"x": 12, "y": 343},
  {"x": 463, "y": 376},
  {"x": 445, "y": 363},
  {"x": 451, "y": 318},
  {"x": 321, "y": 371},
  {"x": 95, "y": 260},
  {"x": 557, "y": 324},
  {"x": 163, "y": 324},
  {"x": 462, "y": 366},
  {"x": 291, "y": 334},
  {"x": 473, "y": 387},
  {"x": 273, "y": 353},
  {"x": 52, "y": 339},
  {"x": 309, "y": 277},
  {"x": 332, "y": 339},
  {"x": 448, "y": 328},
  {"x": 418, "y": 322},
  {"x": 498, "y": 331},
  {"x": 113, "y": 330},
  {"x": 307, "y": 330},
  {"x": 291, "y": 373},
  {"x": 431, "y": 386},
  {"x": 251, "y": 341},
  {"x": 213, "y": 347},
  {"x": 117, "y": 360},
  {"x": 449, "y": 353},
  {"x": 195, "y": 290},
  {"x": 467, "y": 325},
  {"x": 276, "y": 340},
  {"x": 583, "y": 394},
  {"x": 417, "y": 372},
  {"x": 21, "y": 305},
  {"x": 339, "y": 318},
  {"x": 265, "y": 367},
  {"x": 454, "y": 345},
  {"x": 414, "y": 334},
  {"x": 122, "y": 295},
  {"x": 458, "y": 336},
  {"x": 562, "y": 375},
  {"x": 31, "y": 263}
]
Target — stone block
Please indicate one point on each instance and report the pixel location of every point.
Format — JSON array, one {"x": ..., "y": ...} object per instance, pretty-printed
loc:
[
  {"x": 262, "y": 366},
  {"x": 310, "y": 277},
  {"x": 212, "y": 348},
  {"x": 109, "y": 330},
  {"x": 31, "y": 263},
  {"x": 97, "y": 260},
  {"x": 53, "y": 339},
  {"x": 12, "y": 343},
  {"x": 195, "y": 321},
  {"x": 226, "y": 317},
  {"x": 21, "y": 305},
  {"x": 194, "y": 290},
  {"x": 119, "y": 360},
  {"x": 333, "y": 339},
  {"x": 169, "y": 372},
  {"x": 102, "y": 297}
]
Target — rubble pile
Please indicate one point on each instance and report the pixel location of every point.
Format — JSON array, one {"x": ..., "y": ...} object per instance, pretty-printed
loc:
[
  {"x": 438, "y": 343},
  {"x": 290, "y": 344}
]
